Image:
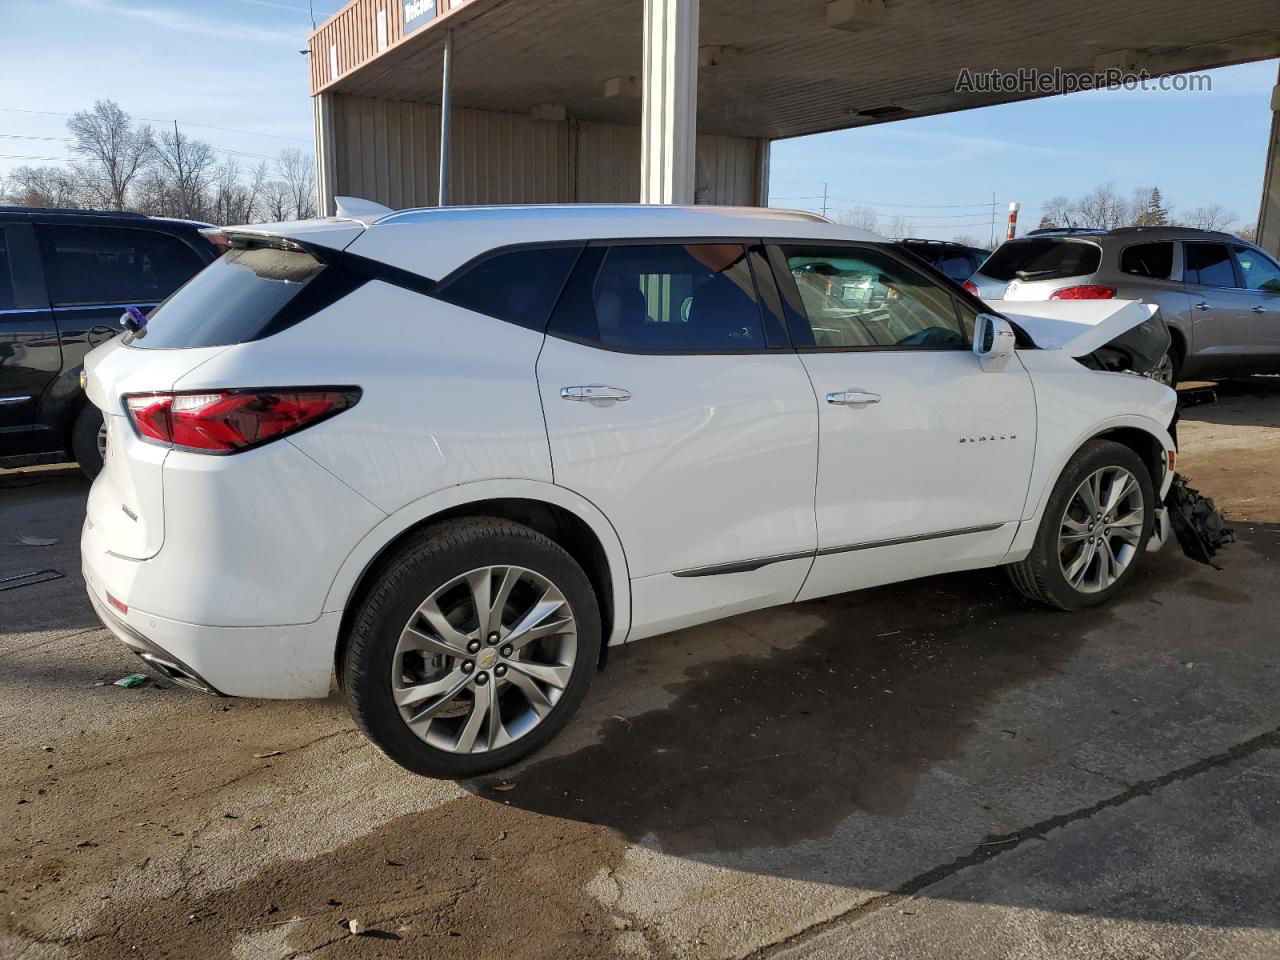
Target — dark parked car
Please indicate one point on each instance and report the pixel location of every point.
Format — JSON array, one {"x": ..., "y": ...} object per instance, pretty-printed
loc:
[
  {"x": 954, "y": 260},
  {"x": 65, "y": 278}
]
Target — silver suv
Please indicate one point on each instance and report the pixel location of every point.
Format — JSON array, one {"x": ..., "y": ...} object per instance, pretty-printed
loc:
[{"x": 1219, "y": 295}]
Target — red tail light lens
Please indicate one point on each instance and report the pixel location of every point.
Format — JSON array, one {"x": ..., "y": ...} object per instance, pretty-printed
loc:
[
  {"x": 228, "y": 421},
  {"x": 1086, "y": 292},
  {"x": 971, "y": 287}
]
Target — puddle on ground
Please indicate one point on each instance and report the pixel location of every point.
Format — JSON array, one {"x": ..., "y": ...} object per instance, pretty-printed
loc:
[{"x": 770, "y": 751}]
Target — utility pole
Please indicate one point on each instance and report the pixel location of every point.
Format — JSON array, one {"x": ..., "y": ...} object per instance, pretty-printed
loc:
[
  {"x": 177, "y": 162},
  {"x": 992, "y": 242},
  {"x": 824, "y": 199},
  {"x": 446, "y": 110}
]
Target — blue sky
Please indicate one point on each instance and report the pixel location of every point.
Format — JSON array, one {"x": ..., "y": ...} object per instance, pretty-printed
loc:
[{"x": 235, "y": 65}]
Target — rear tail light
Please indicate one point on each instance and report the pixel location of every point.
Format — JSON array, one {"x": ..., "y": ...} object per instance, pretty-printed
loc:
[
  {"x": 1088, "y": 291},
  {"x": 971, "y": 287},
  {"x": 228, "y": 421}
]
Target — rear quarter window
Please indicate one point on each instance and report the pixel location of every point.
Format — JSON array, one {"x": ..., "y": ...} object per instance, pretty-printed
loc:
[
  {"x": 1042, "y": 259},
  {"x": 518, "y": 286},
  {"x": 1153, "y": 260}
]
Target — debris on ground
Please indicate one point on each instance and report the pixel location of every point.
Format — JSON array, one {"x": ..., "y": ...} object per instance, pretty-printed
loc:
[
  {"x": 29, "y": 541},
  {"x": 1197, "y": 522},
  {"x": 356, "y": 927},
  {"x": 132, "y": 680},
  {"x": 269, "y": 753}
]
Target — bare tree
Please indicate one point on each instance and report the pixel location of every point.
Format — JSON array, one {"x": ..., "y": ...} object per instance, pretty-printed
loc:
[
  {"x": 114, "y": 151},
  {"x": 1102, "y": 209},
  {"x": 968, "y": 240},
  {"x": 1058, "y": 212},
  {"x": 1248, "y": 234},
  {"x": 298, "y": 172},
  {"x": 864, "y": 218},
  {"x": 42, "y": 187},
  {"x": 277, "y": 201},
  {"x": 1213, "y": 217},
  {"x": 898, "y": 226},
  {"x": 187, "y": 166}
]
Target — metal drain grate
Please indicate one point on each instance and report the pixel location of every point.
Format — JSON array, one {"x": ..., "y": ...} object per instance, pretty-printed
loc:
[{"x": 28, "y": 578}]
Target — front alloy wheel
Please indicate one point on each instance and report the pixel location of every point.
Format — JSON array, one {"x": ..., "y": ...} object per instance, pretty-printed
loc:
[
  {"x": 484, "y": 659},
  {"x": 1101, "y": 529}
]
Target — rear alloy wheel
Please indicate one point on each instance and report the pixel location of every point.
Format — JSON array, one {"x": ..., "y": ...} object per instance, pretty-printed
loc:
[
  {"x": 89, "y": 440},
  {"x": 473, "y": 648},
  {"x": 1094, "y": 529}
]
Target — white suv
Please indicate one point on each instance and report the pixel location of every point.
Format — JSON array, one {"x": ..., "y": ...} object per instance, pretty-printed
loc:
[{"x": 454, "y": 454}]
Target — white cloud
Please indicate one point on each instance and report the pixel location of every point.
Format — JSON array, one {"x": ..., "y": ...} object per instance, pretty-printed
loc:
[{"x": 181, "y": 22}]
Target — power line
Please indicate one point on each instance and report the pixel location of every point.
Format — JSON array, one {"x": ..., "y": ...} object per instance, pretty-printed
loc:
[{"x": 168, "y": 120}]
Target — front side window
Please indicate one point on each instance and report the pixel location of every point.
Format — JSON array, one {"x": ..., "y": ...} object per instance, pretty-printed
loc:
[
  {"x": 1153, "y": 260},
  {"x": 1260, "y": 271},
  {"x": 1208, "y": 264},
  {"x": 664, "y": 298},
  {"x": 856, "y": 297},
  {"x": 113, "y": 265}
]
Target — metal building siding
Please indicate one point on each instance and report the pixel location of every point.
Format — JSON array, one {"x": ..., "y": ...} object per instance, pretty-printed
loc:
[{"x": 387, "y": 151}]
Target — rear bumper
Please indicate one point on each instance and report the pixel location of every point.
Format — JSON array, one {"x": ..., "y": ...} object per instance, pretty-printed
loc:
[{"x": 283, "y": 662}]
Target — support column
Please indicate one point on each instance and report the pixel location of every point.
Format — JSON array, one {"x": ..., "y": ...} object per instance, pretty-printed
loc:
[
  {"x": 1269, "y": 213},
  {"x": 322, "y": 105},
  {"x": 670, "y": 89},
  {"x": 446, "y": 115}
]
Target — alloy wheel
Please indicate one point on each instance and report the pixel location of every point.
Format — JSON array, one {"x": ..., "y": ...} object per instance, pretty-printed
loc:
[
  {"x": 484, "y": 659},
  {"x": 1101, "y": 529},
  {"x": 102, "y": 441}
]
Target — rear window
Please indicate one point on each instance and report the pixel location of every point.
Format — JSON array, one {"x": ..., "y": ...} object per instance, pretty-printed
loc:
[
  {"x": 246, "y": 294},
  {"x": 1042, "y": 259},
  {"x": 1148, "y": 260}
]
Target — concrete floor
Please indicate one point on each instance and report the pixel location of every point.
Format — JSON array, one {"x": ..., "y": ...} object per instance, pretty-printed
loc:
[{"x": 934, "y": 769}]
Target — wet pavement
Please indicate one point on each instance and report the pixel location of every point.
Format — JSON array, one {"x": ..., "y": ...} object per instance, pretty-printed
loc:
[{"x": 935, "y": 768}]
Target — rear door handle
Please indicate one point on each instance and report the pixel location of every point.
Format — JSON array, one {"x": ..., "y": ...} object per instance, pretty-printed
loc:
[
  {"x": 595, "y": 393},
  {"x": 853, "y": 398},
  {"x": 1202, "y": 305}
]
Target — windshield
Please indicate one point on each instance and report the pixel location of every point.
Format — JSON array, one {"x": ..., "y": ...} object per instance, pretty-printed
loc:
[{"x": 1042, "y": 258}]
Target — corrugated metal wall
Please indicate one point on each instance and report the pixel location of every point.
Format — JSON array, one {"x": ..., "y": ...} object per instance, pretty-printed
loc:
[{"x": 387, "y": 151}]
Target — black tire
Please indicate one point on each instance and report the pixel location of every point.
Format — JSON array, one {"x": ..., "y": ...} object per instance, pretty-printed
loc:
[
  {"x": 1040, "y": 576},
  {"x": 426, "y": 562},
  {"x": 84, "y": 440}
]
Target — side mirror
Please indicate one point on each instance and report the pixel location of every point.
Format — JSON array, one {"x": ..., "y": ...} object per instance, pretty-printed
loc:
[{"x": 993, "y": 341}]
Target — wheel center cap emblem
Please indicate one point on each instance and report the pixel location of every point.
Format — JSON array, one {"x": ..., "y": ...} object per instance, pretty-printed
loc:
[{"x": 486, "y": 658}]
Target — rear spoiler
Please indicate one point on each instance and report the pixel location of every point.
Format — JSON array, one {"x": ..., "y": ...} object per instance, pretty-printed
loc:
[{"x": 237, "y": 238}]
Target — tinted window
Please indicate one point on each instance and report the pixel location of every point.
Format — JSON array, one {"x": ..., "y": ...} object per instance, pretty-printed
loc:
[
  {"x": 1208, "y": 264},
  {"x": 957, "y": 266},
  {"x": 862, "y": 298},
  {"x": 1148, "y": 260},
  {"x": 1042, "y": 258},
  {"x": 6, "y": 276},
  {"x": 241, "y": 296},
  {"x": 114, "y": 264},
  {"x": 1260, "y": 271},
  {"x": 670, "y": 298},
  {"x": 520, "y": 286}
]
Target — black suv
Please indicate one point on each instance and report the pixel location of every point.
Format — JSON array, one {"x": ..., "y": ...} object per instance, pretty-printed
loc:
[
  {"x": 955, "y": 260},
  {"x": 65, "y": 278}
]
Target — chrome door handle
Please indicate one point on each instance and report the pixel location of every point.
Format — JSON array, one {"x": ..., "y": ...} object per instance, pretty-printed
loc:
[
  {"x": 595, "y": 393},
  {"x": 1259, "y": 310},
  {"x": 1202, "y": 305},
  {"x": 853, "y": 398}
]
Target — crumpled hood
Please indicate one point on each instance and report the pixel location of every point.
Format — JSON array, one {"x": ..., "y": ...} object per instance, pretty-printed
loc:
[{"x": 1076, "y": 327}]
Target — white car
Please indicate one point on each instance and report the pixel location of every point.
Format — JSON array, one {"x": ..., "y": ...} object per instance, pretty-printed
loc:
[{"x": 453, "y": 455}]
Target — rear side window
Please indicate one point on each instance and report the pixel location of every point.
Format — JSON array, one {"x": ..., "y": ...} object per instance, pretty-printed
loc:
[
  {"x": 519, "y": 286},
  {"x": 1209, "y": 264},
  {"x": 1042, "y": 258},
  {"x": 246, "y": 294},
  {"x": 109, "y": 265},
  {"x": 664, "y": 298},
  {"x": 1153, "y": 260},
  {"x": 7, "y": 301}
]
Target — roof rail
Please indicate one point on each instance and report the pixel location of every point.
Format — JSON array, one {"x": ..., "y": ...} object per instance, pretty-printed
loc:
[
  {"x": 1174, "y": 226},
  {"x": 1051, "y": 231},
  {"x": 75, "y": 210}
]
